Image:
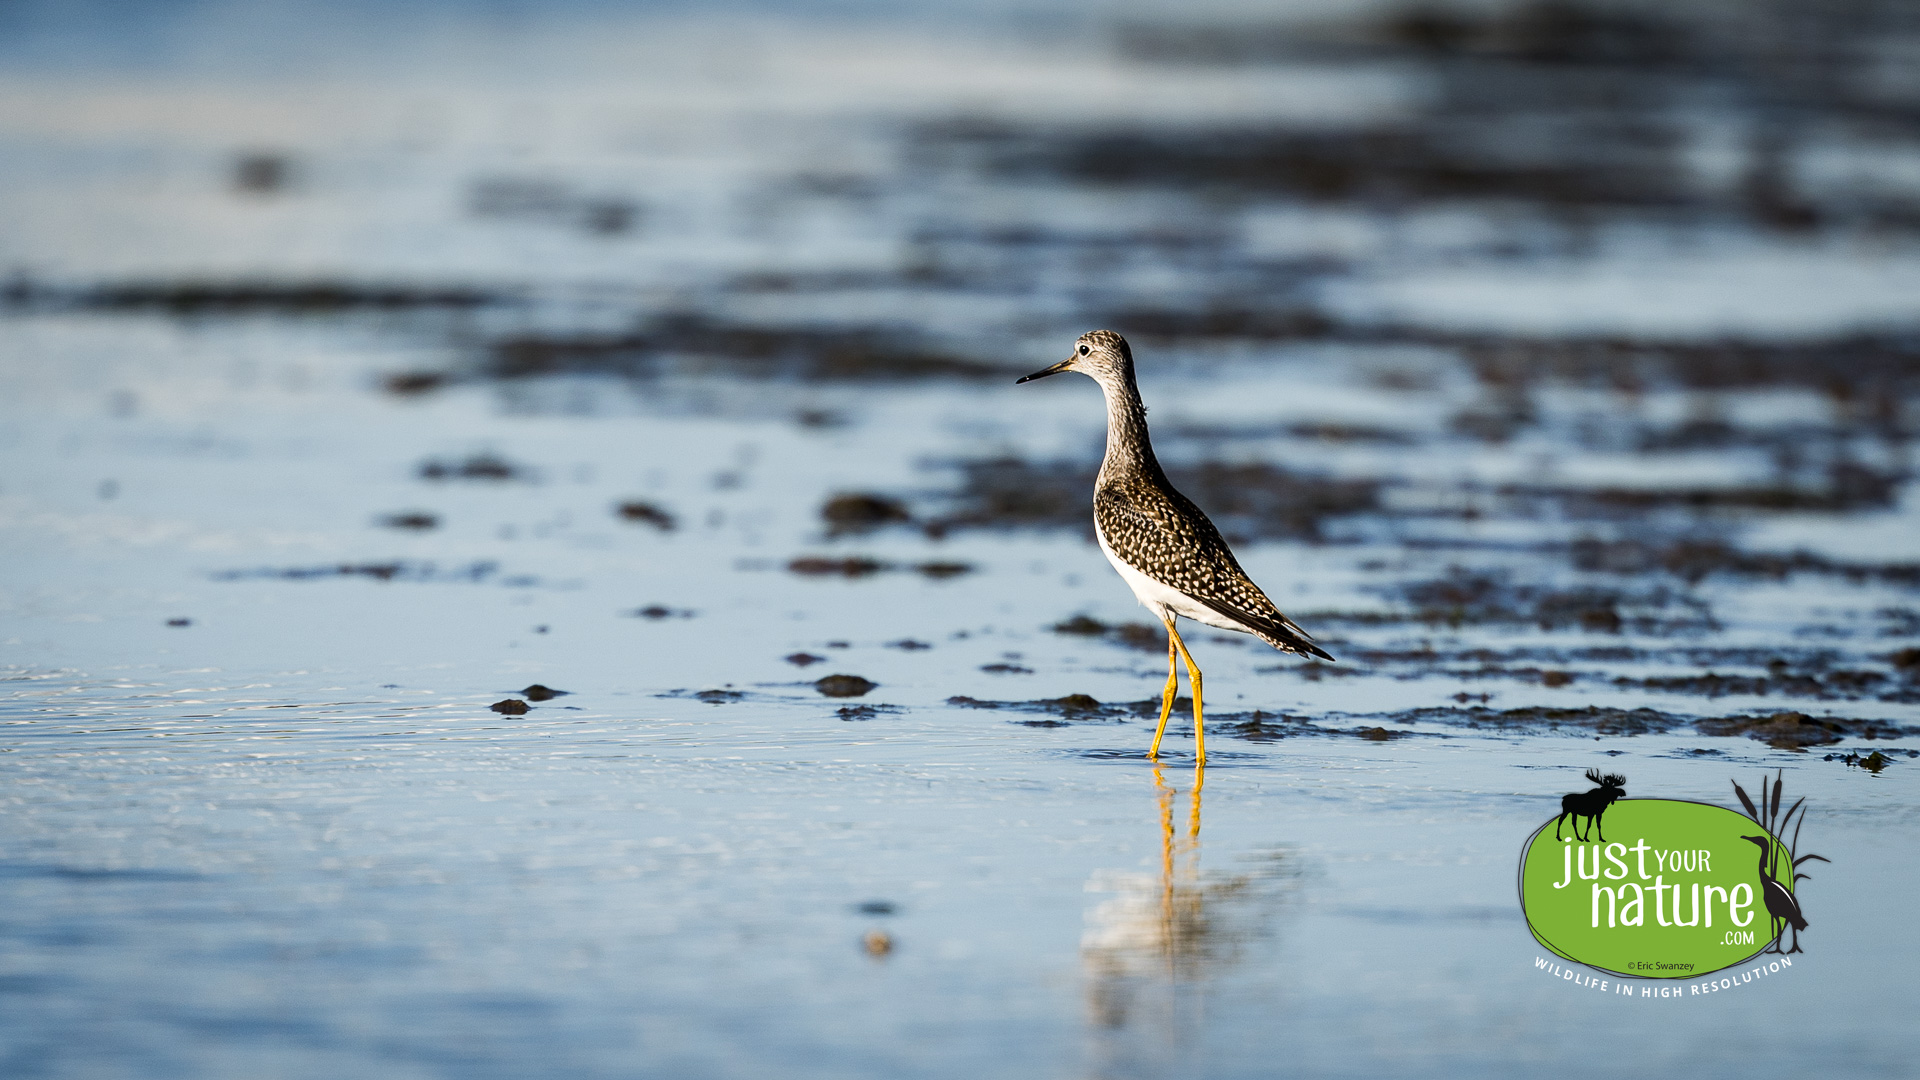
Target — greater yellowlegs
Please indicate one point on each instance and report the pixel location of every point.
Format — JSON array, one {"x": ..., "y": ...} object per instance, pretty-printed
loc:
[{"x": 1165, "y": 549}]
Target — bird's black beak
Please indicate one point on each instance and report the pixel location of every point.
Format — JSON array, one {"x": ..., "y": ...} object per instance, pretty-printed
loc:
[{"x": 1044, "y": 372}]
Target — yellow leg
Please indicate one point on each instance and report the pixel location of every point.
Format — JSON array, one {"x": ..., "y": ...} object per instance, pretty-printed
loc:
[
  {"x": 1166, "y": 696},
  {"x": 1193, "y": 681}
]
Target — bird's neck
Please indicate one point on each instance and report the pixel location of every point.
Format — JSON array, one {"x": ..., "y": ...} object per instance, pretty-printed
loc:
[{"x": 1129, "y": 450}]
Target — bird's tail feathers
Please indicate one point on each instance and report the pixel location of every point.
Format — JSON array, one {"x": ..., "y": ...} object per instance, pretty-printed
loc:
[
  {"x": 1276, "y": 630},
  {"x": 1296, "y": 642}
]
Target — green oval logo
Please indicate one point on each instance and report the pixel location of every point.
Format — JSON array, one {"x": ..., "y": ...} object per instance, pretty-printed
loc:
[{"x": 1675, "y": 890}]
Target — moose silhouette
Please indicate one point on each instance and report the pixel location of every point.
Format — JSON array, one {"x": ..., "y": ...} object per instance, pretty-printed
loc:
[{"x": 1590, "y": 804}]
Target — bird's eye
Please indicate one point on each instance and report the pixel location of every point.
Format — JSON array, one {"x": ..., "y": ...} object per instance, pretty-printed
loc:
[{"x": 1083, "y": 350}]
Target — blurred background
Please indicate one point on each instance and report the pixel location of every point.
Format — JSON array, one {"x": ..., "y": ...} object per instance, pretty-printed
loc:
[{"x": 450, "y": 447}]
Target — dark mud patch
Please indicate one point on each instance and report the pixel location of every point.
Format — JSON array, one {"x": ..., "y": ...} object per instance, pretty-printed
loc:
[
  {"x": 1483, "y": 597},
  {"x": 540, "y": 692},
  {"x": 865, "y": 712},
  {"x": 1873, "y": 763},
  {"x": 1825, "y": 473},
  {"x": 1695, "y": 560},
  {"x": 1270, "y": 502},
  {"x": 1838, "y": 685},
  {"x": 414, "y": 383},
  {"x": 407, "y": 384},
  {"x": 641, "y": 512},
  {"x": 1786, "y": 730},
  {"x": 1797, "y": 731},
  {"x": 1079, "y": 706},
  {"x": 1332, "y": 433},
  {"x": 1879, "y": 368},
  {"x": 1012, "y": 493},
  {"x": 657, "y": 612},
  {"x": 1068, "y": 708},
  {"x": 1559, "y": 33},
  {"x": 862, "y": 513},
  {"x": 1845, "y": 488},
  {"x": 1314, "y": 670},
  {"x": 802, "y": 659},
  {"x": 1568, "y": 107},
  {"x": 1820, "y": 673},
  {"x": 820, "y": 419},
  {"x": 1132, "y": 635},
  {"x": 857, "y": 566},
  {"x": 1325, "y": 617},
  {"x": 262, "y": 172},
  {"x": 1219, "y": 319},
  {"x": 551, "y": 203},
  {"x": 381, "y": 571},
  {"x": 1255, "y": 725},
  {"x": 510, "y": 707},
  {"x": 483, "y": 466},
  {"x": 1899, "y": 622},
  {"x": 1600, "y": 720},
  {"x": 1617, "y": 165},
  {"x": 1245, "y": 500},
  {"x": 940, "y": 570},
  {"x": 720, "y": 695},
  {"x": 1082, "y": 624},
  {"x": 827, "y": 566},
  {"x": 233, "y": 298},
  {"x": 410, "y": 520},
  {"x": 844, "y": 686},
  {"x": 1842, "y": 685},
  {"x": 694, "y": 345}
]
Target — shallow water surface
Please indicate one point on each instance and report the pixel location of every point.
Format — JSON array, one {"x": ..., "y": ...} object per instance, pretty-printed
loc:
[{"x": 447, "y": 475}]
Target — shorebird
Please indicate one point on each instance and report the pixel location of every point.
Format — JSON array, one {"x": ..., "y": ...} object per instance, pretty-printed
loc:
[{"x": 1165, "y": 549}]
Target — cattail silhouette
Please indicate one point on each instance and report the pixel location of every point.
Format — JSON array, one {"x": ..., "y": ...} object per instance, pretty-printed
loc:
[{"x": 1781, "y": 903}]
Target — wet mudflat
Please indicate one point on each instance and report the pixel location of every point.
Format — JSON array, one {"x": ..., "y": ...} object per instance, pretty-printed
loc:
[{"x": 523, "y": 554}]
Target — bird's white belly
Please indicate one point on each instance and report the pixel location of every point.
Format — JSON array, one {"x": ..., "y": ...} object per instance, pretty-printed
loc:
[{"x": 1159, "y": 597}]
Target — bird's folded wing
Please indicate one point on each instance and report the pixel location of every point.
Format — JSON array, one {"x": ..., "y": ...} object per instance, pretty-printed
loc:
[
  {"x": 1153, "y": 537},
  {"x": 1163, "y": 535}
]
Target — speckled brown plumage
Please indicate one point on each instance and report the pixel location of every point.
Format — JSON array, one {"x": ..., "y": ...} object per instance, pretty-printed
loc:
[
  {"x": 1162, "y": 534},
  {"x": 1153, "y": 528}
]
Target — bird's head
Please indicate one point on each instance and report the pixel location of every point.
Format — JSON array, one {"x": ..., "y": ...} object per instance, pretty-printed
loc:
[
  {"x": 1764, "y": 842},
  {"x": 1102, "y": 354}
]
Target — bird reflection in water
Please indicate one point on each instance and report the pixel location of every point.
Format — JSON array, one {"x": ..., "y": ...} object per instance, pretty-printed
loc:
[{"x": 1149, "y": 951}]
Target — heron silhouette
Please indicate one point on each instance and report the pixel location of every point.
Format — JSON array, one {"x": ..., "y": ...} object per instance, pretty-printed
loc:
[{"x": 1780, "y": 903}]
